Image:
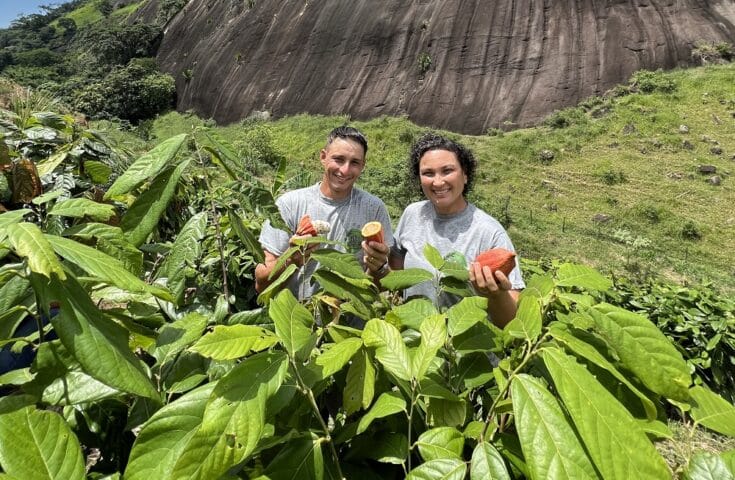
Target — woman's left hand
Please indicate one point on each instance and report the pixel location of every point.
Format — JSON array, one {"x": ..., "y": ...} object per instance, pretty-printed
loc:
[{"x": 487, "y": 284}]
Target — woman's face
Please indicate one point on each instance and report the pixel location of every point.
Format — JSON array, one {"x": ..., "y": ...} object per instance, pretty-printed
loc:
[{"x": 443, "y": 181}]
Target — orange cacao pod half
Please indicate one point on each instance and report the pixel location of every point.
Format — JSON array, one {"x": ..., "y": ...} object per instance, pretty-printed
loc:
[
  {"x": 497, "y": 259},
  {"x": 373, "y": 232},
  {"x": 306, "y": 227}
]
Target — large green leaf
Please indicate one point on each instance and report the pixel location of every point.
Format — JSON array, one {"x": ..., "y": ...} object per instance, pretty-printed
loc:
[
  {"x": 83, "y": 207},
  {"x": 550, "y": 446},
  {"x": 712, "y": 411},
  {"x": 14, "y": 294},
  {"x": 12, "y": 217},
  {"x": 29, "y": 242},
  {"x": 465, "y": 314},
  {"x": 360, "y": 387},
  {"x": 527, "y": 322},
  {"x": 644, "y": 350},
  {"x": 175, "y": 337},
  {"x": 75, "y": 388},
  {"x": 336, "y": 357},
  {"x": 400, "y": 279},
  {"x": 440, "y": 469},
  {"x": 103, "y": 266},
  {"x": 234, "y": 419},
  {"x": 164, "y": 436},
  {"x": 143, "y": 215},
  {"x": 729, "y": 459},
  {"x": 183, "y": 256},
  {"x": 487, "y": 464},
  {"x": 433, "y": 335},
  {"x": 246, "y": 237},
  {"x": 343, "y": 263},
  {"x": 433, "y": 256},
  {"x": 571, "y": 275},
  {"x": 707, "y": 466},
  {"x": 413, "y": 312},
  {"x": 147, "y": 166},
  {"x": 38, "y": 444},
  {"x": 265, "y": 296},
  {"x": 299, "y": 460},
  {"x": 231, "y": 342},
  {"x": 617, "y": 446},
  {"x": 562, "y": 333},
  {"x": 390, "y": 350},
  {"x": 293, "y": 324},
  {"x": 440, "y": 442},
  {"x": 98, "y": 344},
  {"x": 388, "y": 403},
  {"x": 539, "y": 286}
]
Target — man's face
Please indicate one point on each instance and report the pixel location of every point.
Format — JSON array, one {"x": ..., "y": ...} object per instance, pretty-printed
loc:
[{"x": 343, "y": 162}]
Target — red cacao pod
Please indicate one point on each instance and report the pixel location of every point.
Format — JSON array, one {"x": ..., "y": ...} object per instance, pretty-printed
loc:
[
  {"x": 305, "y": 227},
  {"x": 497, "y": 259}
]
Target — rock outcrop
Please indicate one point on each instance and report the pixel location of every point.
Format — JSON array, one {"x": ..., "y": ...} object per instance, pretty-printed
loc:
[{"x": 463, "y": 65}]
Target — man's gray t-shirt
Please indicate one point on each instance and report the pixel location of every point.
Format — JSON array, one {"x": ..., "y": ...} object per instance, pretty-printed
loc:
[
  {"x": 346, "y": 218},
  {"x": 468, "y": 232}
]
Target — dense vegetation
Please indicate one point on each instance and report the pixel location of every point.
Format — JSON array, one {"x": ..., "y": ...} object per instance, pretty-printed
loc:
[{"x": 133, "y": 342}]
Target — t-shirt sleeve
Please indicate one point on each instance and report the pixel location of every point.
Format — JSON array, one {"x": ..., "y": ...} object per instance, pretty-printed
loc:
[{"x": 274, "y": 239}]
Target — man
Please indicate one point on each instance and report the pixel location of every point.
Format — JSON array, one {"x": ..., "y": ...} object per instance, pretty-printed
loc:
[{"x": 336, "y": 201}]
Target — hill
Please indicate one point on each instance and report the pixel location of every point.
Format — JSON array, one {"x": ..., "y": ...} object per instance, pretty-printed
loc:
[{"x": 639, "y": 183}]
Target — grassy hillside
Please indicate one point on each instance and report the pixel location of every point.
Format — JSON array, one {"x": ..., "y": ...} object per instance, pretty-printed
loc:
[{"x": 614, "y": 183}]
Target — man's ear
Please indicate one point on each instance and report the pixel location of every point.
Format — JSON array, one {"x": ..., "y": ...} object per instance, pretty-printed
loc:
[{"x": 323, "y": 156}]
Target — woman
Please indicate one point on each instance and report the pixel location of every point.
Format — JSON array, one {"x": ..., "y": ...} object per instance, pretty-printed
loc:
[{"x": 445, "y": 170}]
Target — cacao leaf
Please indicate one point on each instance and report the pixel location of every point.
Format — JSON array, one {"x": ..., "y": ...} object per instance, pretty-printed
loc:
[
  {"x": 465, "y": 314},
  {"x": 433, "y": 256},
  {"x": 146, "y": 167},
  {"x": 76, "y": 388},
  {"x": 541, "y": 287},
  {"x": 413, "y": 312},
  {"x": 29, "y": 242},
  {"x": 248, "y": 239},
  {"x": 143, "y": 215},
  {"x": 612, "y": 438},
  {"x": 571, "y": 275},
  {"x": 103, "y": 266},
  {"x": 388, "y": 403},
  {"x": 729, "y": 459},
  {"x": 707, "y": 466},
  {"x": 433, "y": 336},
  {"x": 42, "y": 447},
  {"x": 83, "y": 207},
  {"x": 527, "y": 322},
  {"x": 712, "y": 411},
  {"x": 175, "y": 337},
  {"x": 644, "y": 350},
  {"x": 293, "y": 324},
  {"x": 390, "y": 350},
  {"x": 402, "y": 279},
  {"x": 487, "y": 464},
  {"x": 562, "y": 333},
  {"x": 440, "y": 469},
  {"x": 550, "y": 446},
  {"x": 231, "y": 342},
  {"x": 337, "y": 356},
  {"x": 164, "y": 436},
  {"x": 98, "y": 344},
  {"x": 441, "y": 442},
  {"x": 234, "y": 419},
  {"x": 265, "y": 296},
  {"x": 10, "y": 218},
  {"x": 184, "y": 254},
  {"x": 300, "y": 459},
  {"x": 360, "y": 387},
  {"x": 26, "y": 182},
  {"x": 344, "y": 264},
  {"x": 98, "y": 172}
]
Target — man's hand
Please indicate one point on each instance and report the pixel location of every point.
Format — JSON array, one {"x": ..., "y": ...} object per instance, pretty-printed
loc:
[{"x": 376, "y": 256}]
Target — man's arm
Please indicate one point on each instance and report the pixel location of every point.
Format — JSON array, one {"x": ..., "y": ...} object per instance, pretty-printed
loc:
[{"x": 264, "y": 270}]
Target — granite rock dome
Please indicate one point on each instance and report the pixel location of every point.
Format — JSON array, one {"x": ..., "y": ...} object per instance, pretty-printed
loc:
[{"x": 463, "y": 65}]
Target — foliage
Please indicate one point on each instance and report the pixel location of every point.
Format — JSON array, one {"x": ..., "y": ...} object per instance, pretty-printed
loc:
[
  {"x": 167, "y": 9},
  {"x": 647, "y": 81},
  {"x": 707, "y": 52},
  {"x": 573, "y": 386}
]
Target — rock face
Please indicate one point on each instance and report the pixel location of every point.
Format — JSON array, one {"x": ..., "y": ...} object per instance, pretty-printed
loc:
[{"x": 463, "y": 65}]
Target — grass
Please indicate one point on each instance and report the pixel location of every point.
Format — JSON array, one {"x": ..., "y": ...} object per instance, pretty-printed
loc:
[
  {"x": 687, "y": 441},
  {"x": 623, "y": 157}
]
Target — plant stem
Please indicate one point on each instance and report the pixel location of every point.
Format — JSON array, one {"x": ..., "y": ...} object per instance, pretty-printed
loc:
[
  {"x": 414, "y": 399},
  {"x": 312, "y": 401}
]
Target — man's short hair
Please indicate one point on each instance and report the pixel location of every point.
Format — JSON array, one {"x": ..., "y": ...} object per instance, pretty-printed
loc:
[{"x": 348, "y": 133}]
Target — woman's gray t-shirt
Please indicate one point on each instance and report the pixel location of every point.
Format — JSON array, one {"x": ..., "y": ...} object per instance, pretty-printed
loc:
[
  {"x": 346, "y": 218},
  {"x": 468, "y": 232}
]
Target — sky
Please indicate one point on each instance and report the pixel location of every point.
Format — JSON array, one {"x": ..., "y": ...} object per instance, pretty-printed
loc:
[{"x": 11, "y": 9}]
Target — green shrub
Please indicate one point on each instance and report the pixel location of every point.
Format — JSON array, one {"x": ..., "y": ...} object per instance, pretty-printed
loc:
[
  {"x": 690, "y": 231},
  {"x": 647, "y": 81}
]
